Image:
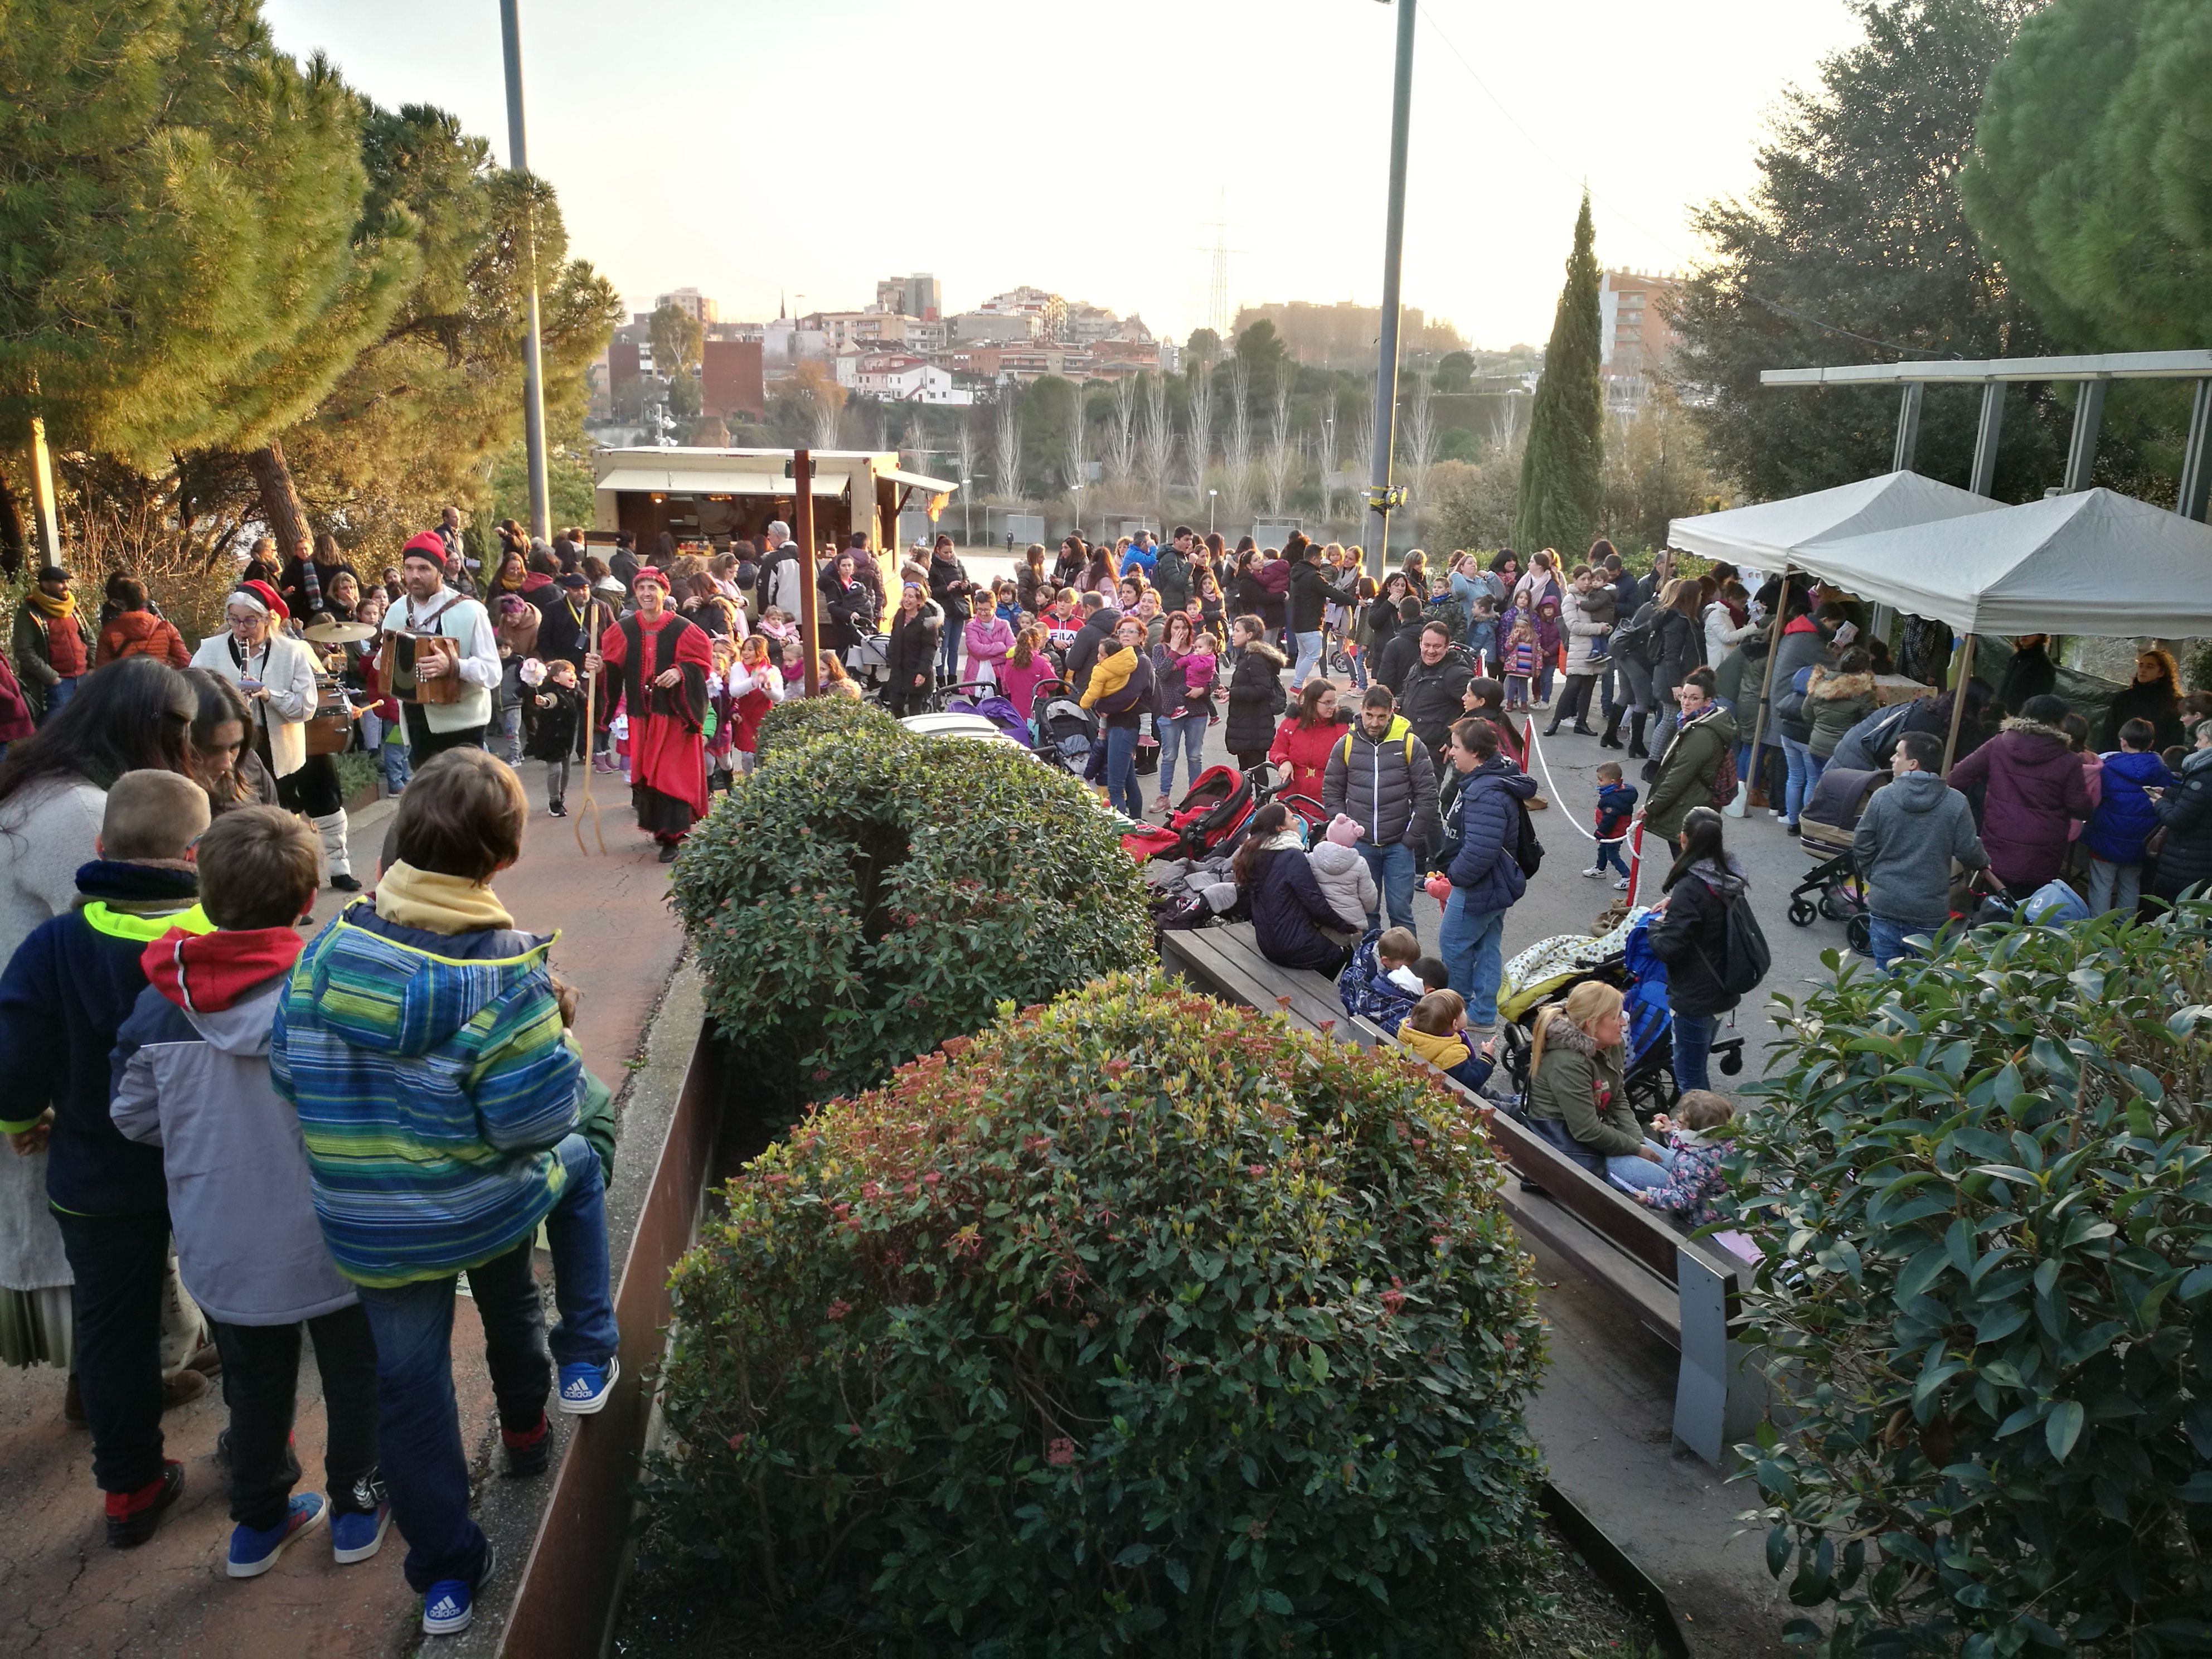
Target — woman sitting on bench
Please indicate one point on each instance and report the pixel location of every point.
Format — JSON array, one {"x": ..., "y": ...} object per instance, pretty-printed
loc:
[
  {"x": 1289, "y": 909},
  {"x": 1576, "y": 1099}
]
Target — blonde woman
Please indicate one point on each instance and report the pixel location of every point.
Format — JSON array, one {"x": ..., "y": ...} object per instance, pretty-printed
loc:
[{"x": 1577, "y": 1097}]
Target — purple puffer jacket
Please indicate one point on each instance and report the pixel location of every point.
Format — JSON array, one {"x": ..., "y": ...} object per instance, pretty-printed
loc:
[{"x": 2034, "y": 790}]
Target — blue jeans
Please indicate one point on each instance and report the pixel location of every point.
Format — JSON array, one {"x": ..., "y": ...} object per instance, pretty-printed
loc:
[
  {"x": 1609, "y": 856},
  {"x": 1470, "y": 942},
  {"x": 418, "y": 1429},
  {"x": 58, "y": 694},
  {"x": 1886, "y": 939},
  {"x": 948, "y": 649},
  {"x": 1186, "y": 731},
  {"x": 1693, "y": 1046},
  {"x": 1309, "y": 658},
  {"x": 1633, "y": 1170},
  {"x": 1121, "y": 792},
  {"x": 1804, "y": 772},
  {"x": 1392, "y": 867}
]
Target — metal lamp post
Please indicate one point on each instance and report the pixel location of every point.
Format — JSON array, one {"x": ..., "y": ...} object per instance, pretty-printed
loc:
[
  {"x": 1381, "y": 495},
  {"x": 533, "y": 393},
  {"x": 1211, "y": 497}
]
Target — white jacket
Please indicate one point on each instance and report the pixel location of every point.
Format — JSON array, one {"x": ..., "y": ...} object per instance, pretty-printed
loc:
[
  {"x": 1722, "y": 636},
  {"x": 290, "y": 675},
  {"x": 1582, "y": 629},
  {"x": 1345, "y": 883}
]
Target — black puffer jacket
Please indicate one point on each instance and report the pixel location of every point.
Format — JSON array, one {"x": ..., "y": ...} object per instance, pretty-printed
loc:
[
  {"x": 1288, "y": 908},
  {"x": 1677, "y": 644},
  {"x": 950, "y": 586},
  {"x": 1433, "y": 697},
  {"x": 913, "y": 651},
  {"x": 1256, "y": 700},
  {"x": 848, "y": 611},
  {"x": 2186, "y": 859},
  {"x": 1692, "y": 937},
  {"x": 1394, "y": 795},
  {"x": 1097, "y": 630}
]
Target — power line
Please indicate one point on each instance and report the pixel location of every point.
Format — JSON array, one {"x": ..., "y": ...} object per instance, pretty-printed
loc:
[{"x": 1617, "y": 211}]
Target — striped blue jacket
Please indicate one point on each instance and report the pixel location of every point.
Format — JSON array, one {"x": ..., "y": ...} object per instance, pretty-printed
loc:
[{"x": 432, "y": 1077}]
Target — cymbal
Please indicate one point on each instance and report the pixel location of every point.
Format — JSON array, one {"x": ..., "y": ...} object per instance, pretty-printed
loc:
[{"x": 338, "y": 633}]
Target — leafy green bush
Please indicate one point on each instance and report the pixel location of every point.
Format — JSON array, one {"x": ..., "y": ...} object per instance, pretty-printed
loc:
[
  {"x": 1985, "y": 1203},
  {"x": 858, "y": 900},
  {"x": 799, "y": 722},
  {"x": 1139, "y": 1323}
]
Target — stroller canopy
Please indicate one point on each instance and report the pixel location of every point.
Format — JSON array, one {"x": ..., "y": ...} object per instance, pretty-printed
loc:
[
  {"x": 2095, "y": 563},
  {"x": 1769, "y": 534}
]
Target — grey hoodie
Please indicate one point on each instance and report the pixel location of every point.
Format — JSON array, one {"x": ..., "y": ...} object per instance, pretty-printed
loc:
[
  {"x": 197, "y": 1086},
  {"x": 1906, "y": 838}
]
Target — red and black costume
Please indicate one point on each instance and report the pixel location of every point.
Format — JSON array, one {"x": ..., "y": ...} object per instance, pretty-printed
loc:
[{"x": 667, "y": 745}]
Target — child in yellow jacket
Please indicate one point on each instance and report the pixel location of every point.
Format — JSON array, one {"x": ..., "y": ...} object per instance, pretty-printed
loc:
[{"x": 1108, "y": 674}]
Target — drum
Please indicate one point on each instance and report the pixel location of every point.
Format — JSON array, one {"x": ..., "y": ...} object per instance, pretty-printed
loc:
[{"x": 330, "y": 728}]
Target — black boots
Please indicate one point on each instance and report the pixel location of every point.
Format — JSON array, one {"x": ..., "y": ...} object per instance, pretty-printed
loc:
[
  {"x": 1636, "y": 749},
  {"x": 1611, "y": 738}
]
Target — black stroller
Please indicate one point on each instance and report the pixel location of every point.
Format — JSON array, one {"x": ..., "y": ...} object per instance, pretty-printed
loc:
[
  {"x": 1825, "y": 824},
  {"x": 1067, "y": 731}
]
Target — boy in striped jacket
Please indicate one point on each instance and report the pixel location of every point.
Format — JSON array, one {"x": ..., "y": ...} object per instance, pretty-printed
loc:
[{"x": 420, "y": 1040}]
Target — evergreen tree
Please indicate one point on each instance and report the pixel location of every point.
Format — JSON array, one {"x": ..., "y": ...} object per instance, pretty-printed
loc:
[
  {"x": 1562, "y": 470},
  {"x": 187, "y": 260},
  {"x": 2091, "y": 176}
]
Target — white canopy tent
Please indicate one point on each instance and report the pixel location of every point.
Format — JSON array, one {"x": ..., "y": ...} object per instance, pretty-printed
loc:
[
  {"x": 2094, "y": 562},
  {"x": 1767, "y": 534}
]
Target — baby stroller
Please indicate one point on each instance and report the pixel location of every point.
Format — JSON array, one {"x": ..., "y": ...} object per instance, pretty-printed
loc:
[
  {"x": 1267, "y": 785},
  {"x": 983, "y": 697},
  {"x": 1067, "y": 731},
  {"x": 869, "y": 663},
  {"x": 1211, "y": 815},
  {"x": 1825, "y": 825},
  {"x": 1543, "y": 975}
]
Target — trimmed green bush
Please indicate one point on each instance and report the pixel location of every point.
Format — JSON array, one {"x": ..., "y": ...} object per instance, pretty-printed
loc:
[
  {"x": 865, "y": 897},
  {"x": 798, "y": 721},
  {"x": 1137, "y": 1324},
  {"x": 1985, "y": 1203}
]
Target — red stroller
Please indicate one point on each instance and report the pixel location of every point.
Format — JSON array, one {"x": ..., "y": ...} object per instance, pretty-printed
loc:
[{"x": 1220, "y": 802}]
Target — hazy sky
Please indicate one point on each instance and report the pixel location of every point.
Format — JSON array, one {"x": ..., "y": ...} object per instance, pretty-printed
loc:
[{"x": 812, "y": 148}]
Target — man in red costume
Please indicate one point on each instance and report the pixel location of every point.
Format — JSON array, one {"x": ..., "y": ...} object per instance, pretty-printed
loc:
[{"x": 661, "y": 663}]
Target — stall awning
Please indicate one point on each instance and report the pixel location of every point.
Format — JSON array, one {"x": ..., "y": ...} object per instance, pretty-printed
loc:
[
  {"x": 690, "y": 481},
  {"x": 1765, "y": 534},
  {"x": 2095, "y": 563},
  {"x": 934, "y": 486}
]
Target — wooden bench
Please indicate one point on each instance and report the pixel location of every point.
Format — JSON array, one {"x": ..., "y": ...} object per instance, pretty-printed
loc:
[{"x": 1684, "y": 1290}]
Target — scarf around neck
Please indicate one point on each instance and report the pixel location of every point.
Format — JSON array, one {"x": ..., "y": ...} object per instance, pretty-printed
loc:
[
  {"x": 47, "y": 605},
  {"x": 437, "y": 904}
]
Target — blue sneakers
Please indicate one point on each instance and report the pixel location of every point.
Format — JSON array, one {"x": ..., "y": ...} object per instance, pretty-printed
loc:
[
  {"x": 254, "y": 1550},
  {"x": 359, "y": 1533},
  {"x": 450, "y": 1604},
  {"x": 585, "y": 1388}
]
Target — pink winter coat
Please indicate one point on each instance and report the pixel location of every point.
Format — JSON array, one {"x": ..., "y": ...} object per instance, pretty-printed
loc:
[{"x": 988, "y": 639}]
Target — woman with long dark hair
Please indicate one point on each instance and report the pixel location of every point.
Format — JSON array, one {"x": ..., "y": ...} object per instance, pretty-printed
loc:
[
  {"x": 2155, "y": 694},
  {"x": 1691, "y": 937},
  {"x": 223, "y": 761},
  {"x": 1289, "y": 909}
]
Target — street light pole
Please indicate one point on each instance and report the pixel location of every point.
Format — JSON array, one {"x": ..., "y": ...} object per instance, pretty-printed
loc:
[
  {"x": 1381, "y": 496},
  {"x": 533, "y": 390}
]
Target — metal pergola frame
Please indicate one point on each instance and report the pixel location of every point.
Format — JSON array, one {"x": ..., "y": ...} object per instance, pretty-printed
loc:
[{"x": 1995, "y": 374}]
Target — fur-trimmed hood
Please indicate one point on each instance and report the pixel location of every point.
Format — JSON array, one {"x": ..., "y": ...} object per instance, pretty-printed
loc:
[
  {"x": 1261, "y": 648},
  {"x": 1564, "y": 1033},
  {"x": 1831, "y": 687},
  {"x": 2033, "y": 728}
]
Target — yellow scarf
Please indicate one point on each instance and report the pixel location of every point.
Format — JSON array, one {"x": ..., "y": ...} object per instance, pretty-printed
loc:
[
  {"x": 60, "y": 609},
  {"x": 436, "y": 903}
]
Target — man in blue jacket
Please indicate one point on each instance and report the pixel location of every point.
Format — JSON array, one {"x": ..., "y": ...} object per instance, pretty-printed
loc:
[{"x": 1482, "y": 835}]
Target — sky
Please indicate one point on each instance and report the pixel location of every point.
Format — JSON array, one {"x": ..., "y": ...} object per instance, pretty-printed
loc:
[{"x": 806, "y": 150}]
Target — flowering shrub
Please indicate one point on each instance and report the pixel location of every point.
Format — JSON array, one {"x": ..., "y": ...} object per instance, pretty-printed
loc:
[
  {"x": 1137, "y": 1323},
  {"x": 1985, "y": 1201},
  {"x": 853, "y": 903},
  {"x": 794, "y": 723}
]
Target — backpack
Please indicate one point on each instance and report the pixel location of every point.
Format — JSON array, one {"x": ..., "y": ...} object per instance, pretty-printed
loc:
[
  {"x": 1635, "y": 641},
  {"x": 1528, "y": 851},
  {"x": 1724, "y": 780},
  {"x": 1344, "y": 749},
  {"x": 1745, "y": 957}
]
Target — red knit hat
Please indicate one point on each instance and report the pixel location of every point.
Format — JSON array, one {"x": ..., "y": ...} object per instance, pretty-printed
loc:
[
  {"x": 266, "y": 596},
  {"x": 430, "y": 544},
  {"x": 648, "y": 573}
]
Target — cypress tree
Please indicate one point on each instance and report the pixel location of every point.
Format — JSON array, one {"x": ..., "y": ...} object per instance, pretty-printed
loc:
[{"x": 1562, "y": 483}]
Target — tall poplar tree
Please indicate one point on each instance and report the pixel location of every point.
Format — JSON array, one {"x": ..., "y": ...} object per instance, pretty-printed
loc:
[{"x": 1562, "y": 470}]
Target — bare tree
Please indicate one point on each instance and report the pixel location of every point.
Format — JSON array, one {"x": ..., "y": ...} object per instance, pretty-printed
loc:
[
  {"x": 1158, "y": 439},
  {"x": 1282, "y": 457},
  {"x": 1505, "y": 422},
  {"x": 1122, "y": 439},
  {"x": 1075, "y": 459},
  {"x": 1198, "y": 441},
  {"x": 967, "y": 450},
  {"x": 1419, "y": 447},
  {"x": 1325, "y": 461},
  {"x": 1237, "y": 484},
  {"x": 1006, "y": 444}
]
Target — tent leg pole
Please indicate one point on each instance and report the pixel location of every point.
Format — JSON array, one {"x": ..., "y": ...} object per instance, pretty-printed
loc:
[
  {"x": 1985, "y": 438},
  {"x": 1908, "y": 427},
  {"x": 1959, "y": 702}
]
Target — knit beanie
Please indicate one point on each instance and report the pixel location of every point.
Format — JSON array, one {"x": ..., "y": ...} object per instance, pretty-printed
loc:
[{"x": 1343, "y": 831}]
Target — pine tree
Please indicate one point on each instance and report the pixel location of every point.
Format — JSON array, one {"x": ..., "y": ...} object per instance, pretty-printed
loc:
[
  {"x": 187, "y": 261},
  {"x": 1562, "y": 470}
]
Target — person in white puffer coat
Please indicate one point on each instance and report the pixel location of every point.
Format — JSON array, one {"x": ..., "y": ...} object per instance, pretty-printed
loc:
[{"x": 1345, "y": 881}]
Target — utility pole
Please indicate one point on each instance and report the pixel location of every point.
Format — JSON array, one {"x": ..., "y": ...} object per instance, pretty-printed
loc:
[
  {"x": 1382, "y": 496},
  {"x": 533, "y": 389},
  {"x": 802, "y": 526}
]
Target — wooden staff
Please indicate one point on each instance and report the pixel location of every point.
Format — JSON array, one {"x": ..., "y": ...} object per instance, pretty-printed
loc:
[
  {"x": 1958, "y": 701},
  {"x": 591, "y": 736}
]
